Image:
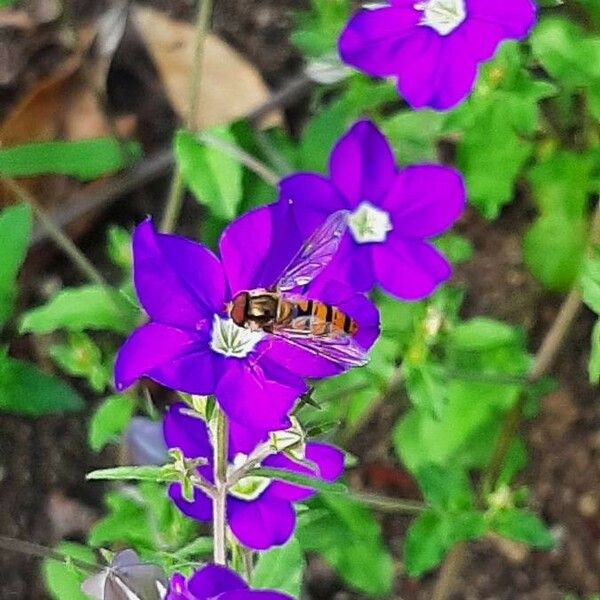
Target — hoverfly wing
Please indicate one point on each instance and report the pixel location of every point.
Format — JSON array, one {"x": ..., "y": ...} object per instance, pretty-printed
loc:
[
  {"x": 341, "y": 349},
  {"x": 315, "y": 254}
]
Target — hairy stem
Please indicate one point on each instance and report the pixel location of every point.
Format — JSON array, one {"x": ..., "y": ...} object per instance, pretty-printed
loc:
[
  {"x": 220, "y": 449},
  {"x": 65, "y": 243},
  {"x": 544, "y": 359},
  {"x": 175, "y": 200}
]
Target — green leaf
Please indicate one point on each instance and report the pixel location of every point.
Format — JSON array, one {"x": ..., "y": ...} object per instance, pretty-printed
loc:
[
  {"x": 554, "y": 250},
  {"x": 349, "y": 538},
  {"x": 15, "y": 230},
  {"x": 594, "y": 364},
  {"x": 213, "y": 176},
  {"x": 81, "y": 357},
  {"x": 566, "y": 52},
  {"x": 431, "y": 536},
  {"x": 523, "y": 526},
  {"x": 110, "y": 419},
  {"x": 299, "y": 479},
  {"x": 590, "y": 281},
  {"x": 83, "y": 159},
  {"x": 481, "y": 333},
  {"x": 446, "y": 489},
  {"x": 414, "y": 135},
  {"x": 63, "y": 580},
  {"x": 280, "y": 569},
  {"x": 87, "y": 307},
  {"x": 27, "y": 391},
  {"x": 145, "y": 473},
  {"x": 144, "y": 518}
]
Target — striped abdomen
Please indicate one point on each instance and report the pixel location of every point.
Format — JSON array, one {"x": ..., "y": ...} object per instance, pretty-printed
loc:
[{"x": 315, "y": 318}]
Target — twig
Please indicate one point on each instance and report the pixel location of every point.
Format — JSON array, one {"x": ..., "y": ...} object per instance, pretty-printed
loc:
[
  {"x": 61, "y": 240},
  {"x": 544, "y": 359},
  {"x": 175, "y": 200}
]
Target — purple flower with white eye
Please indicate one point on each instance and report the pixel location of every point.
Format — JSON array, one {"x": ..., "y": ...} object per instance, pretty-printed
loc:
[
  {"x": 260, "y": 512},
  {"x": 433, "y": 47},
  {"x": 393, "y": 214},
  {"x": 192, "y": 345},
  {"x": 214, "y": 582}
]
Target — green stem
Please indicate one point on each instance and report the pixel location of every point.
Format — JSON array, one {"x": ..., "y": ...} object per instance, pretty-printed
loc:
[
  {"x": 175, "y": 200},
  {"x": 58, "y": 237},
  {"x": 220, "y": 449}
]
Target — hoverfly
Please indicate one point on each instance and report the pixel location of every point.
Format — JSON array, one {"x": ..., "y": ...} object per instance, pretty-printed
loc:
[{"x": 320, "y": 328}]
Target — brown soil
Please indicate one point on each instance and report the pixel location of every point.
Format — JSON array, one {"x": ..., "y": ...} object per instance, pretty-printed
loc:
[{"x": 43, "y": 462}]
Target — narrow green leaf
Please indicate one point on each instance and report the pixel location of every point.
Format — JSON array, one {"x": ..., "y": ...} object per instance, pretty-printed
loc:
[
  {"x": 83, "y": 159},
  {"x": 86, "y": 307},
  {"x": 25, "y": 390},
  {"x": 15, "y": 230},
  {"x": 109, "y": 420},
  {"x": 301, "y": 480},
  {"x": 145, "y": 473}
]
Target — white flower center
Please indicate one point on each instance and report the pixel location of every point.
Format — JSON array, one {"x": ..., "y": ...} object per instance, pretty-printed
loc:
[
  {"x": 442, "y": 15},
  {"x": 247, "y": 488},
  {"x": 369, "y": 224},
  {"x": 231, "y": 340}
]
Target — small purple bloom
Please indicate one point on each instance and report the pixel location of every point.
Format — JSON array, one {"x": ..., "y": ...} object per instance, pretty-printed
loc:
[
  {"x": 214, "y": 582},
  {"x": 260, "y": 513},
  {"x": 190, "y": 343},
  {"x": 393, "y": 213},
  {"x": 433, "y": 47}
]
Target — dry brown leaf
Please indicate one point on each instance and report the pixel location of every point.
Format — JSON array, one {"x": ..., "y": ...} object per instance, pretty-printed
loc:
[{"x": 231, "y": 86}]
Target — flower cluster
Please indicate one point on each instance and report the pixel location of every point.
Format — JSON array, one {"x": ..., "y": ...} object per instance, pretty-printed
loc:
[
  {"x": 369, "y": 223},
  {"x": 260, "y": 512},
  {"x": 432, "y": 47}
]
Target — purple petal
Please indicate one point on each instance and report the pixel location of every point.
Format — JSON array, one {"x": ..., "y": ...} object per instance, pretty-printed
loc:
[
  {"x": 257, "y": 246},
  {"x": 178, "y": 282},
  {"x": 148, "y": 349},
  {"x": 250, "y": 397},
  {"x": 362, "y": 165},
  {"x": 244, "y": 440},
  {"x": 312, "y": 197},
  {"x": 261, "y": 523},
  {"x": 201, "y": 507},
  {"x": 409, "y": 269},
  {"x": 186, "y": 432},
  {"x": 425, "y": 200},
  {"x": 372, "y": 38},
  {"x": 516, "y": 17},
  {"x": 435, "y": 71},
  {"x": 482, "y": 37},
  {"x": 213, "y": 580},
  {"x": 328, "y": 460}
]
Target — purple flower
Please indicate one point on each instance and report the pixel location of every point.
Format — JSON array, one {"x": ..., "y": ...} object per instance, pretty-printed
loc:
[
  {"x": 393, "y": 213},
  {"x": 213, "y": 582},
  {"x": 433, "y": 47},
  {"x": 260, "y": 513},
  {"x": 190, "y": 343}
]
